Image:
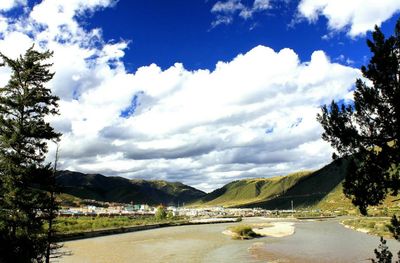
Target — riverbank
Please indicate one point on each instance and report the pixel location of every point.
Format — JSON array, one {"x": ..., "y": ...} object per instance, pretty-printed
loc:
[
  {"x": 63, "y": 237},
  {"x": 377, "y": 226}
]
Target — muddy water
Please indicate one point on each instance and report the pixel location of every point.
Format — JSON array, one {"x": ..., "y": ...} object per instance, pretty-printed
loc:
[{"x": 317, "y": 241}]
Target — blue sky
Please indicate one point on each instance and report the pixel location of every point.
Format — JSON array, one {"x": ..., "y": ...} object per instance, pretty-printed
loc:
[
  {"x": 202, "y": 91},
  {"x": 166, "y": 32}
]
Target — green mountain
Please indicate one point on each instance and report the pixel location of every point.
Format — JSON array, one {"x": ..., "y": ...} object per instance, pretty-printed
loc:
[
  {"x": 117, "y": 189},
  {"x": 304, "y": 189}
]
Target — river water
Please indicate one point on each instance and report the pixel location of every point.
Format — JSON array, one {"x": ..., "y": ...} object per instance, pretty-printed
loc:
[{"x": 313, "y": 241}]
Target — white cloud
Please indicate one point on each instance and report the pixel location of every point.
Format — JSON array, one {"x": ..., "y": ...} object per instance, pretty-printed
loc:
[
  {"x": 356, "y": 17},
  {"x": 14, "y": 42},
  {"x": 250, "y": 117},
  {"x": 261, "y": 5},
  {"x": 59, "y": 16},
  {"x": 3, "y": 24},
  {"x": 230, "y": 6},
  {"x": 226, "y": 11},
  {"x": 222, "y": 20},
  {"x": 208, "y": 126}
]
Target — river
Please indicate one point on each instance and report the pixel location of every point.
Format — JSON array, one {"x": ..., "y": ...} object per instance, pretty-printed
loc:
[{"x": 313, "y": 241}]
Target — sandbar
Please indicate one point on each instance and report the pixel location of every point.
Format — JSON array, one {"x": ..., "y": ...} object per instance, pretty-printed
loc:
[
  {"x": 272, "y": 229},
  {"x": 276, "y": 229}
]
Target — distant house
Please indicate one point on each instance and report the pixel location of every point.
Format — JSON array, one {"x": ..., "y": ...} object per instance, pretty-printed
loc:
[{"x": 144, "y": 207}]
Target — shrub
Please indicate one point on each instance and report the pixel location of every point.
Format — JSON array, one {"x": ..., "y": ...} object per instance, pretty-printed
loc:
[{"x": 243, "y": 232}]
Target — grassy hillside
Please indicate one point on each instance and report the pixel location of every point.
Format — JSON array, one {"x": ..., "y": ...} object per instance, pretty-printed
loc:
[
  {"x": 337, "y": 201},
  {"x": 249, "y": 191},
  {"x": 310, "y": 190},
  {"x": 69, "y": 200},
  {"x": 305, "y": 189},
  {"x": 320, "y": 190},
  {"x": 118, "y": 189}
]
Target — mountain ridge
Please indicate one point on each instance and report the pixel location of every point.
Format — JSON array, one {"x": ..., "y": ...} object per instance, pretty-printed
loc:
[
  {"x": 321, "y": 189},
  {"x": 304, "y": 188},
  {"x": 118, "y": 189}
]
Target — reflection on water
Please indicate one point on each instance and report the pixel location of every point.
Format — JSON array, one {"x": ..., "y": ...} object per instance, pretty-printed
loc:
[{"x": 319, "y": 241}]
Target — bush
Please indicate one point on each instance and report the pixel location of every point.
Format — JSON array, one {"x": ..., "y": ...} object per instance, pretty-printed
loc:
[
  {"x": 161, "y": 214},
  {"x": 243, "y": 232}
]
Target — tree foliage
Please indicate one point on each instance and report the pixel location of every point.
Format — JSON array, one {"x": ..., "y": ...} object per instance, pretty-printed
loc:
[
  {"x": 394, "y": 228},
  {"x": 161, "y": 214},
  {"x": 170, "y": 214},
  {"x": 368, "y": 131},
  {"x": 382, "y": 254},
  {"x": 26, "y": 182}
]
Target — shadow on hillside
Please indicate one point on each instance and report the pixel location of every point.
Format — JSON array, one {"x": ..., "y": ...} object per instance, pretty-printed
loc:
[{"x": 310, "y": 190}]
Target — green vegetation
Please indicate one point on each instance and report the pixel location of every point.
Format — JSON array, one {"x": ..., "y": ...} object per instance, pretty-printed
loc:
[
  {"x": 319, "y": 192},
  {"x": 67, "y": 200},
  {"x": 66, "y": 225},
  {"x": 161, "y": 214},
  {"x": 310, "y": 190},
  {"x": 170, "y": 215},
  {"x": 25, "y": 104},
  {"x": 378, "y": 226},
  {"x": 305, "y": 189},
  {"x": 243, "y": 232},
  {"x": 337, "y": 203},
  {"x": 367, "y": 134},
  {"x": 248, "y": 191}
]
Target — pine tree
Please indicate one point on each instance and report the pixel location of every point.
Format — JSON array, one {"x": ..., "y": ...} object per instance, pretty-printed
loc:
[
  {"x": 25, "y": 179},
  {"x": 368, "y": 132}
]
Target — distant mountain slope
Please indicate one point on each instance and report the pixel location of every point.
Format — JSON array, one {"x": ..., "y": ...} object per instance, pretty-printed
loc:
[
  {"x": 118, "y": 189},
  {"x": 248, "y": 191},
  {"x": 311, "y": 189},
  {"x": 305, "y": 189}
]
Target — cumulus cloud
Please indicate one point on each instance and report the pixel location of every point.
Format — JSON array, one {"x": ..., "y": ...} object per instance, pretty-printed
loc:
[
  {"x": 226, "y": 11},
  {"x": 253, "y": 116},
  {"x": 208, "y": 126},
  {"x": 356, "y": 17}
]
